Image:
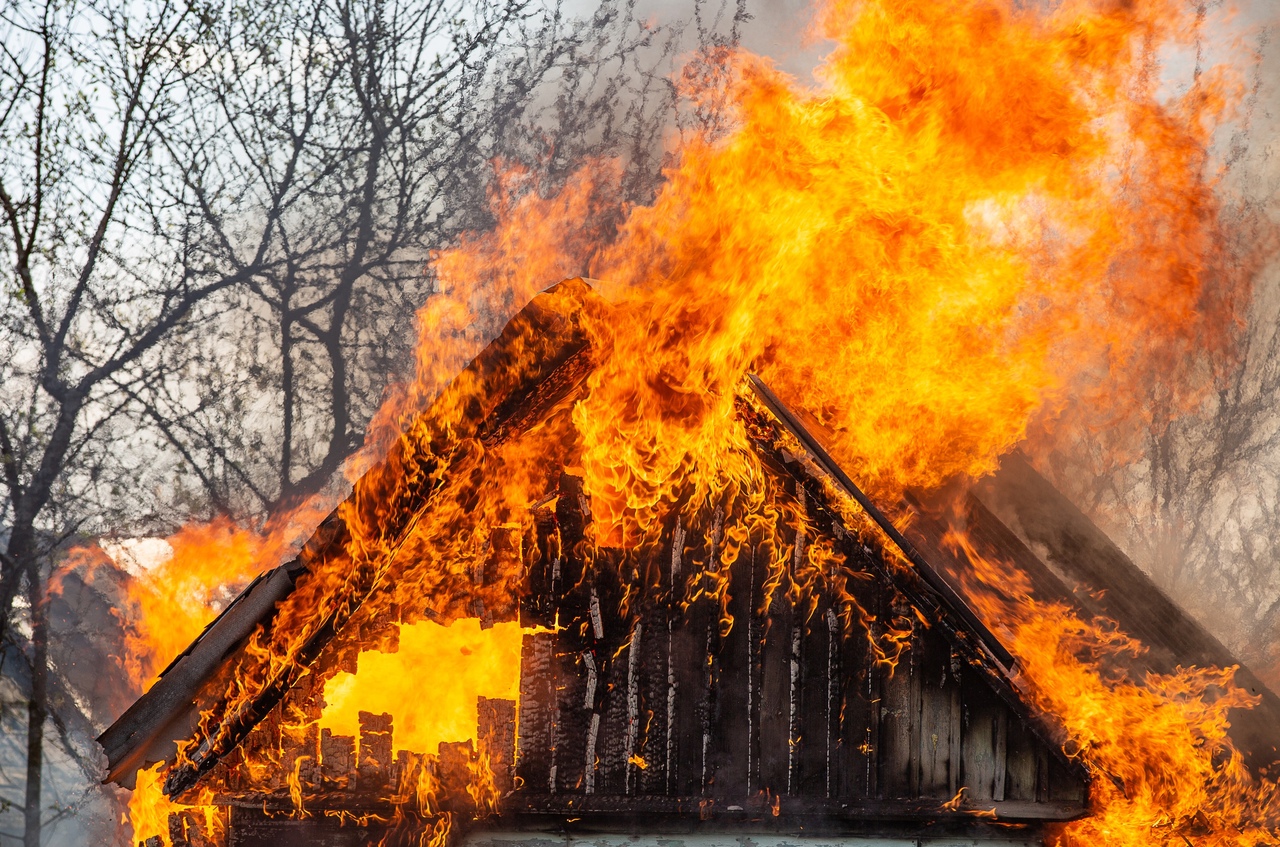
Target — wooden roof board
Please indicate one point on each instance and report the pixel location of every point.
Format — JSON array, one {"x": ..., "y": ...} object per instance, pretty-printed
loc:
[{"x": 1026, "y": 510}]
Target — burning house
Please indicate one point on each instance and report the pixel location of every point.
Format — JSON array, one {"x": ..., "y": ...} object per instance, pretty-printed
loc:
[{"x": 764, "y": 651}]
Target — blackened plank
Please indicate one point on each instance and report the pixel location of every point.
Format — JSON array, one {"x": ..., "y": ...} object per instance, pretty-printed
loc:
[
  {"x": 815, "y": 739},
  {"x": 651, "y": 743},
  {"x": 496, "y": 738},
  {"x": 573, "y": 713},
  {"x": 856, "y": 739},
  {"x": 337, "y": 760},
  {"x": 693, "y": 638},
  {"x": 899, "y": 717},
  {"x": 732, "y": 656},
  {"x": 775, "y": 695},
  {"x": 633, "y": 729},
  {"x": 374, "y": 768},
  {"x": 612, "y": 746},
  {"x": 536, "y": 737}
]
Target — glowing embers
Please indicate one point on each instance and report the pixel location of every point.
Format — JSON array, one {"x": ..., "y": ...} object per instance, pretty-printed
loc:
[{"x": 431, "y": 685}]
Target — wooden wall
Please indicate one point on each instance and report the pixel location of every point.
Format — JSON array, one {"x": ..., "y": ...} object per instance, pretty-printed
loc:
[
  {"x": 829, "y": 698},
  {"x": 645, "y": 701}
]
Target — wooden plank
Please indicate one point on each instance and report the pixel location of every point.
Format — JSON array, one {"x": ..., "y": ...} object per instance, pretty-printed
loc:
[
  {"x": 573, "y": 656},
  {"x": 775, "y": 695},
  {"x": 633, "y": 728},
  {"x": 496, "y": 738},
  {"x": 731, "y": 663},
  {"x": 535, "y": 735},
  {"x": 573, "y": 715},
  {"x": 936, "y": 685},
  {"x": 684, "y": 813},
  {"x": 863, "y": 603},
  {"x": 692, "y": 638},
  {"x": 615, "y": 715},
  {"x": 251, "y": 827},
  {"x": 855, "y": 686},
  {"x": 1023, "y": 759},
  {"x": 956, "y": 724},
  {"x": 686, "y": 692},
  {"x": 373, "y": 770},
  {"x": 605, "y": 634},
  {"x": 1001, "y": 754},
  {"x": 653, "y": 737},
  {"x": 814, "y": 741},
  {"x": 337, "y": 760},
  {"x": 899, "y": 720},
  {"x": 709, "y": 711},
  {"x": 823, "y": 662},
  {"x": 541, "y": 587},
  {"x": 831, "y": 716},
  {"x": 754, "y": 623},
  {"x": 1042, "y": 774},
  {"x": 795, "y": 696}
]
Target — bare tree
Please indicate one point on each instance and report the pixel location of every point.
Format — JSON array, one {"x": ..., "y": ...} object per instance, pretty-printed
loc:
[
  {"x": 381, "y": 121},
  {"x": 97, "y": 282},
  {"x": 1194, "y": 498}
]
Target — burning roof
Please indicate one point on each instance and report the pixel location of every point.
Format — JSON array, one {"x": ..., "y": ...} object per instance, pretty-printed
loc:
[{"x": 785, "y": 647}]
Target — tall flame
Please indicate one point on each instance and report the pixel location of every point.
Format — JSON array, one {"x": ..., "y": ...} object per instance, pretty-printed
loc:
[
  {"x": 973, "y": 214},
  {"x": 177, "y": 597}
]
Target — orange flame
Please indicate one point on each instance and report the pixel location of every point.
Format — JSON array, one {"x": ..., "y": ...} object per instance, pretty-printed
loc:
[
  {"x": 972, "y": 215},
  {"x": 177, "y": 598},
  {"x": 151, "y": 812},
  {"x": 1165, "y": 769}
]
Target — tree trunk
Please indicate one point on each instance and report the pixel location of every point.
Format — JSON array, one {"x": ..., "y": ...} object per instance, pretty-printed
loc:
[{"x": 36, "y": 710}]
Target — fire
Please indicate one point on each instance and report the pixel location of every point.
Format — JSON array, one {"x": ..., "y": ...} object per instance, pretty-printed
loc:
[
  {"x": 927, "y": 248},
  {"x": 177, "y": 598},
  {"x": 430, "y": 684},
  {"x": 972, "y": 218},
  {"x": 151, "y": 811},
  {"x": 1165, "y": 770},
  {"x": 190, "y": 577}
]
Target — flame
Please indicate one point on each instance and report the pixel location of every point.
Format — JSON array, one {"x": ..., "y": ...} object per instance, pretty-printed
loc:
[
  {"x": 151, "y": 811},
  {"x": 972, "y": 221},
  {"x": 1165, "y": 770},
  {"x": 972, "y": 214},
  {"x": 430, "y": 684},
  {"x": 179, "y": 585},
  {"x": 177, "y": 598}
]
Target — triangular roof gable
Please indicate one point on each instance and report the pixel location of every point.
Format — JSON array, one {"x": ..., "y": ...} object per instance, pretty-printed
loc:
[
  {"x": 541, "y": 350},
  {"x": 543, "y": 343}
]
